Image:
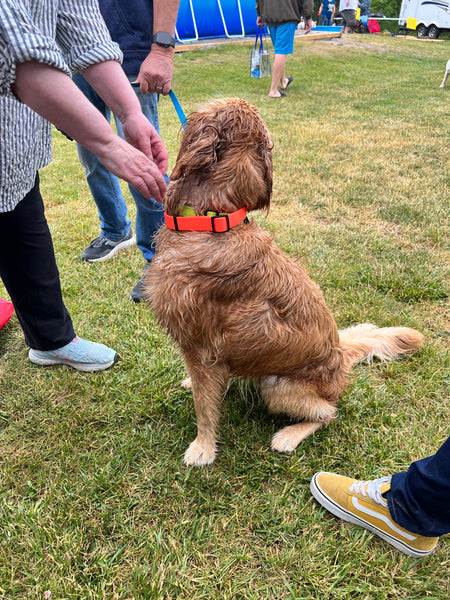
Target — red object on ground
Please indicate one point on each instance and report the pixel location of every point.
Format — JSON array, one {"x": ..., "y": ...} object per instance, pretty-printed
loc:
[{"x": 6, "y": 310}]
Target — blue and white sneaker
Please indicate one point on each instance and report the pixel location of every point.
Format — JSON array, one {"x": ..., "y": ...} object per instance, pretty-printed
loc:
[{"x": 79, "y": 354}]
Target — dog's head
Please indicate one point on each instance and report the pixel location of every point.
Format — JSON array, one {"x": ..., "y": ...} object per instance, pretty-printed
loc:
[{"x": 224, "y": 162}]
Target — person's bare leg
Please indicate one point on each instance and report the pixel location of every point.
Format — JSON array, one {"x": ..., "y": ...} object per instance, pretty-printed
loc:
[{"x": 279, "y": 64}]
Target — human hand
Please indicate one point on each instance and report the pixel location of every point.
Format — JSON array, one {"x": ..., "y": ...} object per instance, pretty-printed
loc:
[
  {"x": 155, "y": 74},
  {"x": 142, "y": 135},
  {"x": 308, "y": 25},
  {"x": 260, "y": 22},
  {"x": 130, "y": 164}
]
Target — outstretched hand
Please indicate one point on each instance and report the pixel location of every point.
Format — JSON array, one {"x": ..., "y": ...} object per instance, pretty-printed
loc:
[
  {"x": 142, "y": 135},
  {"x": 132, "y": 165}
]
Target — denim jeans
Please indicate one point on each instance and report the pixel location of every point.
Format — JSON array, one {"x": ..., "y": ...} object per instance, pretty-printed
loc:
[
  {"x": 419, "y": 499},
  {"x": 105, "y": 187},
  {"x": 326, "y": 19}
]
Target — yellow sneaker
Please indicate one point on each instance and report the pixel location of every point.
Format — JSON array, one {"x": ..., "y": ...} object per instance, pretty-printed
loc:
[{"x": 362, "y": 503}]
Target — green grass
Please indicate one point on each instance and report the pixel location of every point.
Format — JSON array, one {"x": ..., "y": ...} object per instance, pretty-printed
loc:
[{"x": 95, "y": 501}]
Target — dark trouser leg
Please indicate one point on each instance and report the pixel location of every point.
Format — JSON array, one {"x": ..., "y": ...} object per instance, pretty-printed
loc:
[
  {"x": 29, "y": 272},
  {"x": 419, "y": 499}
]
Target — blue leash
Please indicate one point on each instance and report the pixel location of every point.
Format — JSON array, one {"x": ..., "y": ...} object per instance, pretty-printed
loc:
[
  {"x": 175, "y": 102},
  {"x": 178, "y": 108}
]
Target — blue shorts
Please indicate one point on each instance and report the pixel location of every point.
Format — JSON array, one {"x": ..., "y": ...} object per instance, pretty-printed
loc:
[{"x": 282, "y": 37}]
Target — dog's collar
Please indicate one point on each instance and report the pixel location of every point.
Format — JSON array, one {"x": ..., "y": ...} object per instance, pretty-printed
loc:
[{"x": 215, "y": 222}]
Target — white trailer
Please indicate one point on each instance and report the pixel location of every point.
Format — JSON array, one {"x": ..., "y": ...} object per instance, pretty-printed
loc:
[{"x": 428, "y": 17}]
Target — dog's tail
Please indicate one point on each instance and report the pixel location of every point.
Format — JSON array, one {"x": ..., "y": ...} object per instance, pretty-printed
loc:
[{"x": 364, "y": 342}]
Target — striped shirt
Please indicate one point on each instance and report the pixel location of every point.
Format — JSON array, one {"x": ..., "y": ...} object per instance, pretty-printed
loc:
[{"x": 69, "y": 35}]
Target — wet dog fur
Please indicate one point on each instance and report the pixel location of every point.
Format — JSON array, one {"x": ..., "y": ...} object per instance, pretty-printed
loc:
[{"x": 236, "y": 305}]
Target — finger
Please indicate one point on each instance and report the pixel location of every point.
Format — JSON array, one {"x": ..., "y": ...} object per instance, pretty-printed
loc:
[
  {"x": 148, "y": 188},
  {"x": 155, "y": 181},
  {"x": 163, "y": 165},
  {"x": 156, "y": 184},
  {"x": 162, "y": 186},
  {"x": 144, "y": 84},
  {"x": 141, "y": 187},
  {"x": 144, "y": 144},
  {"x": 166, "y": 88},
  {"x": 160, "y": 156}
]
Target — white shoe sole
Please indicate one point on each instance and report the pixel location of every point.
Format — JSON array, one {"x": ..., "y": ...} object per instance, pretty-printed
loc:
[{"x": 85, "y": 367}]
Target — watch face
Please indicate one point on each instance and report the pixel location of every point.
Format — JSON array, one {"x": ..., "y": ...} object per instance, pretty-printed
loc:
[{"x": 162, "y": 38}]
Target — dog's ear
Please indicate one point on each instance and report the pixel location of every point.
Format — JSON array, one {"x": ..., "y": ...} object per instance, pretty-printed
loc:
[
  {"x": 250, "y": 176},
  {"x": 198, "y": 149},
  {"x": 265, "y": 152}
]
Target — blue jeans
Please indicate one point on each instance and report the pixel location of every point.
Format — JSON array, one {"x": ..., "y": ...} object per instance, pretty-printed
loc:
[
  {"x": 326, "y": 19},
  {"x": 419, "y": 498},
  {"x": 105, "y": 187}
]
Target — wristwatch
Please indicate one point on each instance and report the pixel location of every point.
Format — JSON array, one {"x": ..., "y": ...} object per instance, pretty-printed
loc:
[{"x": 164, "y": 39}]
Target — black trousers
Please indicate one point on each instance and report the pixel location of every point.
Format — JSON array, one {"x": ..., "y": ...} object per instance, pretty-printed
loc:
[{"x": 29, "y": 272}]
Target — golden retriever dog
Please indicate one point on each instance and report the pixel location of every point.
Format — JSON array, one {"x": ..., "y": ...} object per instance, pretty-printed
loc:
[{"x": 233, "y": 301}]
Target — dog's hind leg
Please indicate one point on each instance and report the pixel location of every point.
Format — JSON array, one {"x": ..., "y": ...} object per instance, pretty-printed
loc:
[
  {"x": 300, "y": 401},
  {"x": 209, "y": 383},
  {"x": 288, "y": 438}
]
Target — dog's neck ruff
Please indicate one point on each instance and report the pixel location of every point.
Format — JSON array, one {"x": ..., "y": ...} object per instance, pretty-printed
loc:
[{"x": 214, "y": 222}]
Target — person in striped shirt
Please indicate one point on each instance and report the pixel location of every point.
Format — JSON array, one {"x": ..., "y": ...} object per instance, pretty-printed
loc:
[{"x": 42, "y": 43}]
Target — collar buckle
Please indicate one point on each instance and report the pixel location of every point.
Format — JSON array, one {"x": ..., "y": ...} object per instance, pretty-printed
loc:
[{"x": 213, "y": 223}]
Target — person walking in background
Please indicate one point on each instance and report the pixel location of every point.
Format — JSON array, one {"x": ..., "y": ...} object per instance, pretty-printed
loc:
[
  {"x": 326, "y": 12},
  {"x": 348, "y": 9},
  {"x": 137, "y": 26},
  {"x": 409, "y": 510},
  {"x": 282, "y": 18},
  {"x": 42, "y": 42}
]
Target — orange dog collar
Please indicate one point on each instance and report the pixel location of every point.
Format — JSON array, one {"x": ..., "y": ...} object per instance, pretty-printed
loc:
[{"x": 212, "y": 221}]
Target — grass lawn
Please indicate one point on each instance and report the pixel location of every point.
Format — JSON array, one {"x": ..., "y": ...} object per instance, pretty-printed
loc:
[{"x": 95, "y": 502}]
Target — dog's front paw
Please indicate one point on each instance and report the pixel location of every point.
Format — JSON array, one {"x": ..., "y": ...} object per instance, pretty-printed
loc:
[
  {"x": 186, "y": 383},
  {"x": 283, "y": 442},
  {"x": 199, "y": 454}
]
